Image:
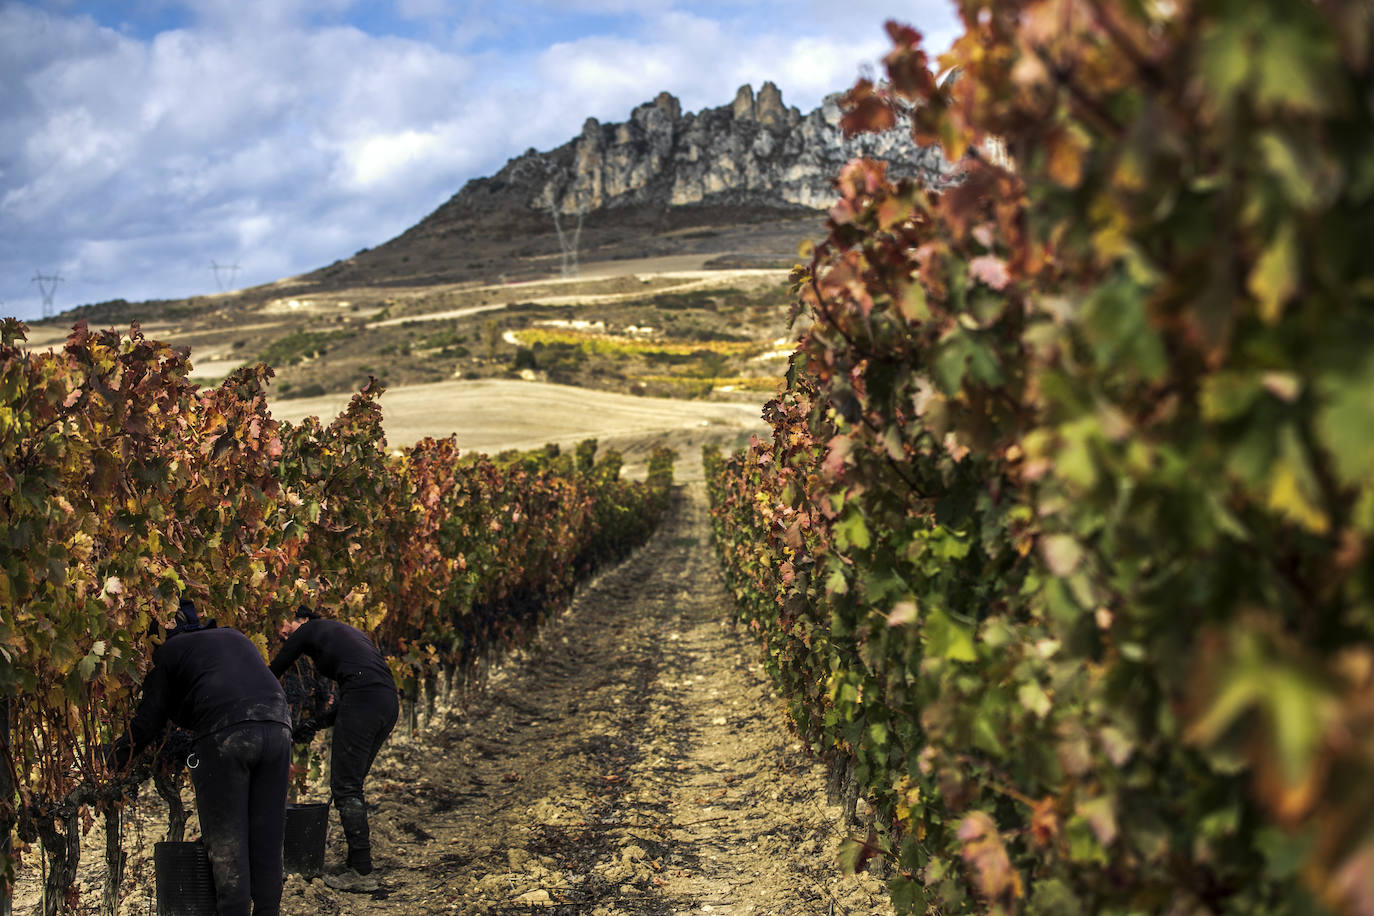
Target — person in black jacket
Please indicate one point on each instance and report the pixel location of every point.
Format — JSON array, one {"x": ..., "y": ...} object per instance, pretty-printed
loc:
[
  {"x": 213, "y": 682},
  {"x": 363, "y": 717}
]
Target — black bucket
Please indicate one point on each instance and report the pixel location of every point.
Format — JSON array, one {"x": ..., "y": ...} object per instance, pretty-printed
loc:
[
  {"x": 185, "y": 884},
  {"x": 303, "y": 845}
]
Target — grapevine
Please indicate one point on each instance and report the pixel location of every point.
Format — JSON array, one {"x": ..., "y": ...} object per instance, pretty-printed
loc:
[
  {"x": 1062, "y": 532},
  {"x": 125, "y": 486}
]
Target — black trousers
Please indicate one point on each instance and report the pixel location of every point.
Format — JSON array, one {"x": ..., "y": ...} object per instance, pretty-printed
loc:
[
  {"x": 240, "y": 778},
  {"x": 366, "y": 717}
]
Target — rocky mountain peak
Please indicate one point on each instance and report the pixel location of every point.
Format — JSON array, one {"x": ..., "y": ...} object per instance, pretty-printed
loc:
[{"x": 754, "y": 152}]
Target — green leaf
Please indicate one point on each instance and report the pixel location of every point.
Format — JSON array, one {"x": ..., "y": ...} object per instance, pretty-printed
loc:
[
  {"x": 852, "y": 850},
  {"x": 1294, "y": 70},
  {"x": 949, "y": 545},
  {"x": 1227, "y": 395},
  {"x": 1284, "y": 852},
  {"x": 1074, "y": 461},
  {"x": 1301, "y": 173},
  {"x": 852, "y": 531},
  {"x": 1083, "y": 844},
  {"x": 836, "y": 583},
  {"x": 947, "y": 639},
  {"x": 1120, "y": 333},
  {"x": 907, "y": 895},
  {"x": 1034, "y": 698},
  {"x": 1345, "y": 422},
  {"x": 1052, "y": 897},
  {"x": 961, "y": 354},
  {"x": 988, "y": 735},
  {"x": 1227, "y": 60}
]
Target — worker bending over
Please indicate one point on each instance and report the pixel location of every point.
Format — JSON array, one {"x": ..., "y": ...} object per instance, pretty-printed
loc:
[{"x": 363, "y": 717}]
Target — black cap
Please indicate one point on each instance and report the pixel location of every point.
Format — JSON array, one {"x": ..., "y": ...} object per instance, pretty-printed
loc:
[
  {"x": 187, "y": 619},
  {"x": 304, "y": 613}
]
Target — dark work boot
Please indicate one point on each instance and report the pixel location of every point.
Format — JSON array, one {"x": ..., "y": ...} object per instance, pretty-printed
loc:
[{"x": 353, "y": 818}]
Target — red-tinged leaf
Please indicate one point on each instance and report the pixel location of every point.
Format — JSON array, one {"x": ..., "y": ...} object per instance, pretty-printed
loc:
[
  {"x": 908, "y": 67},
  {"x": 867, "y": 113},
  {"x": 1353, "y": 882},
  {"x": 903, "y": 612},
  {"x": 986, "y": 855},
  {"x": 842, "y": 212},
  {"x": 1045, "y": 824},
  {"x": 836, "y": 455},
  {"x": 990, "y": 270},
  {"x": 892, "y": 212},
  {"x": 855, "y": 853},
  {"x": 902, "y": 35}
]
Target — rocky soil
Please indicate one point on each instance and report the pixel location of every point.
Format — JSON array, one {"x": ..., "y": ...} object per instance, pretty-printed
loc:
[{"x": 633, "y": 760}]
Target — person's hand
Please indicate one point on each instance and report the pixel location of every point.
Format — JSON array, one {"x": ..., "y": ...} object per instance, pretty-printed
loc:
[{"x": 176, "y": 747}]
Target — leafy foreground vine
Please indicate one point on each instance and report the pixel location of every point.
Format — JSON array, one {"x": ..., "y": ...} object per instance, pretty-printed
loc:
[
  {"x": 1063, "y": 533},
  {"x": 124, "y": 486}
]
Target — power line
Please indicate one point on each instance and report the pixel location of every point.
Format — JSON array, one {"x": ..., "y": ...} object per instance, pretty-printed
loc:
[
  {"x": 232, "y": 270},
  {"x": 569, "y": 246},
  {"x": 47, "y": 288}
]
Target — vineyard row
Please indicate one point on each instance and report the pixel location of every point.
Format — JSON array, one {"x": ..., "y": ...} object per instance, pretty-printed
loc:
[
  {"x": 1062, "y": 537},
  {"x": 124, "y": 486}
]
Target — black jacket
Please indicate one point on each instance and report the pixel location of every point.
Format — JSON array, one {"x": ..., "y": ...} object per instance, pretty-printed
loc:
[
  {"x": 341, "y": 653},
  {"x": 206, "y": 681}
]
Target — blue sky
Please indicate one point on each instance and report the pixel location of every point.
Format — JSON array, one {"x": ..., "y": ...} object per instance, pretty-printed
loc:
[{"x": 142, "y": 141}]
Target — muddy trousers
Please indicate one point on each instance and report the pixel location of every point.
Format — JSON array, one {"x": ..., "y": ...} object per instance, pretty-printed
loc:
[
  {"x": 240, "y": 778},
  {"x": 365, "y": 719}
]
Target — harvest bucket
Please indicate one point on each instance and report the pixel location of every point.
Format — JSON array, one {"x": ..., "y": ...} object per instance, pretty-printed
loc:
[
  {"x": 303, "y": 845},
  {"x": 185, "y": 884}
]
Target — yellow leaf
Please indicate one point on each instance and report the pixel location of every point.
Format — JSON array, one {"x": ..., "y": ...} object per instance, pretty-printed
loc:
[
  {"x": 913, "y": 304},
  {"x": 1068, "y": 148},
  {"x": 1287, "y": 498},
  {"x": 1274, "y": 278}
]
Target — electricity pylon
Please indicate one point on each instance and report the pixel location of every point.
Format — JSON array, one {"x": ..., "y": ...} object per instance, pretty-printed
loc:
[
  {"x": 233, "y": 269},
  {"x": 47, "y": 288},
  {"x": 569, "y": 247}
]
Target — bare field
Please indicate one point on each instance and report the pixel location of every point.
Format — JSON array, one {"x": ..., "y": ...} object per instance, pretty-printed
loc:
[
  {"x": 324, "y": 345},
  {"x": 491, "y": 415}
]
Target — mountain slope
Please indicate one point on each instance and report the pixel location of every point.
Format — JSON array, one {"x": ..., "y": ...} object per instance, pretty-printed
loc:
[{"x": 753, "y": 161}]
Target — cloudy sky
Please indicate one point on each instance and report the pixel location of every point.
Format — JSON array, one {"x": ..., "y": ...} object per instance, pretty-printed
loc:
[{"x": 144, "y": 141}]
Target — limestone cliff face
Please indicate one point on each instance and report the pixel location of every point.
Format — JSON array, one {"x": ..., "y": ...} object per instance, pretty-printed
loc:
[{"x": 755, "y": 150}]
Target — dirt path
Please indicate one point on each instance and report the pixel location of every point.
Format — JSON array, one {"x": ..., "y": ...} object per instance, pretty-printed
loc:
[{"x": 634, "y": 760}]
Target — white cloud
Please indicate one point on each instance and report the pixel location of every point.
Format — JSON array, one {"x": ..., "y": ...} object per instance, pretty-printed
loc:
[
  {"x": 253, "y": 232},
  {"x": 279, "y": 134},
  {"x": 374, "y": 160}
]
